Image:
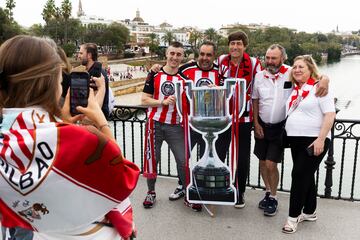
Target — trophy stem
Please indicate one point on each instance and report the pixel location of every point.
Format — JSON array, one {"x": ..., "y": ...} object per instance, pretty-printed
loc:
[{"x": 210, "y": 139}]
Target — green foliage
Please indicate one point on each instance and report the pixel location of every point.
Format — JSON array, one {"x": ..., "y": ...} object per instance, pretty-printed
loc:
[
  {"x": 113, "y": 35},
  {"x": 10, "y": 5},
  {"x": 334, "y": 53},
  {"x": 69, "y": 49},
  {"x": 8, "y": 28},
  {"x": 56, "y": 30},
  {"x": 168, "y": 37},
  {"x": 161, "y": 53},
  {"x": 129, "y": 54},
  {"x": 48, "y": 10},
  {"x": 295, "y": 43},
  {"x": 153, "y": 43},
  {"x": 194, "y": 39}
]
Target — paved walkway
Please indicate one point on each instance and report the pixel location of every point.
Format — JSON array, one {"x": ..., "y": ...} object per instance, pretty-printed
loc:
[{"x": 337, "y": 219}]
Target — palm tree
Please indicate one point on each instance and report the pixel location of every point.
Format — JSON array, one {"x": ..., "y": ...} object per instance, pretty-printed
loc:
[
  {"x": 168, "y": 37},
  {"x": 10, "y": 5},
  {"x": 66, "y": 13},
  {"x": 194, "y": 38},
  {"x": 210, "y": 34},
  {"x": 153, "y": 43},
  {"x": 48, "y": 11}
]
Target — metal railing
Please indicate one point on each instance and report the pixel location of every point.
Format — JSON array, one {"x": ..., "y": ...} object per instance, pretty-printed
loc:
[{"x": 336, "y": 177}]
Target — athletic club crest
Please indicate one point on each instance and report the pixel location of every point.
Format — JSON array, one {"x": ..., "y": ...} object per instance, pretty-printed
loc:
[
  {"x": 26, "y": 156},
  {"x": 168, "y": 88},
  {"x": 203, "y": 82},
  {"x": 34, "y": 212}
]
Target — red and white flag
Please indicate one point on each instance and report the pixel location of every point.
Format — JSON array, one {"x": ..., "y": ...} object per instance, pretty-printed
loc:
[{"x": 61, "y": 178}]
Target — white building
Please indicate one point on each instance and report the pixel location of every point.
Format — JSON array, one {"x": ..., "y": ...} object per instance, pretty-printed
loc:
[{"x": 138, "y": 28}]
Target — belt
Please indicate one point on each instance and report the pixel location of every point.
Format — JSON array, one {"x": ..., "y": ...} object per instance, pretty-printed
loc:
[{"x": 271, "y": 125}]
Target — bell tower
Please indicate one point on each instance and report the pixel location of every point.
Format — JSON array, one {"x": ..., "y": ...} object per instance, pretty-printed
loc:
[{"x": 80, "y": 11}]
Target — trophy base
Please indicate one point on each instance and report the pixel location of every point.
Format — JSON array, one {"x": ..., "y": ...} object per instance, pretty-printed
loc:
[
  {"x": 212, "y": 184},
  {"x": 209, "y": 195}
]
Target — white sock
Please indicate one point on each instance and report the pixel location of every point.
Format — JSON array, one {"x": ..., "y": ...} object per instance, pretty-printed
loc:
[{"x": 273, "y": 196}]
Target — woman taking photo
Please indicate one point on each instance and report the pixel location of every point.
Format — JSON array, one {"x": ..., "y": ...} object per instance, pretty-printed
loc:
[
  {"x": 59, "y": 180},
  {"x": 308, "y": 125}
]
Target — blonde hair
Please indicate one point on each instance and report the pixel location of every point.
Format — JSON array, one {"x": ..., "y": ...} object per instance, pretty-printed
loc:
[
  {"x": 311, "y": 64},
  {"x": 30, "y": 73}
]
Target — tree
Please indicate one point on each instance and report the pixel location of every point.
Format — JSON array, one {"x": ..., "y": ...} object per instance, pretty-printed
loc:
[
  {"x": 116, "y": 35},
  {"x": 194, "y": 39},
  {"x": 10, "y": 5},
  {"x": 36, "y": 30},
  {"x": 48, "y": 11},
  {"x": 210, "y": 34},
  {"x": 168, "y": 37},
  {"x": 8, "y": 28},
  {"x": 66, "y": 13},
  {"x": 153, "y": 43}
]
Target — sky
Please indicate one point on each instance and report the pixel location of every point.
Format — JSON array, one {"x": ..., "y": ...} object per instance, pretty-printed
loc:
[{"x": 305, "y": 15}]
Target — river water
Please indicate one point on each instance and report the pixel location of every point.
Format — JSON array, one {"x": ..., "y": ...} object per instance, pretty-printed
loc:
[
  {"x": 344, "y": 79},
  {"x": 344, "y": 82}
]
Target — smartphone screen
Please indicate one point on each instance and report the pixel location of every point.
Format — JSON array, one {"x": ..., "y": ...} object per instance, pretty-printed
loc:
[{"x": 79, "y": 91}]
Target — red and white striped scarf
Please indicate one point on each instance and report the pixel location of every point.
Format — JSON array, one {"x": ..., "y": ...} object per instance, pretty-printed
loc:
[
  {"x": 299, "y": 94},
  {"x": 59, "y": 177}
]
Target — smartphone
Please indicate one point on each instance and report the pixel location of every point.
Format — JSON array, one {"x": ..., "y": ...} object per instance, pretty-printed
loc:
[
  {"x": 310, "y": 151},
  {"x": 95, "y": 71},
  {"x": 79, "y": 90}
]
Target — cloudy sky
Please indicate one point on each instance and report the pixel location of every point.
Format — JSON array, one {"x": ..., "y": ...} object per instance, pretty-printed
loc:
[{"x": 304, "y": 15}]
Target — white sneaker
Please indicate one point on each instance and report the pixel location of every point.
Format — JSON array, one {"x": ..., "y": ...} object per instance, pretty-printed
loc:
[
  {"x": 308, "y": 217},
  {"x": 177, "y": 194}
]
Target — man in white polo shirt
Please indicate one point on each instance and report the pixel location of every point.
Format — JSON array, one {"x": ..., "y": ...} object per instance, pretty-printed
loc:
[{"x": 272, "y": 88}]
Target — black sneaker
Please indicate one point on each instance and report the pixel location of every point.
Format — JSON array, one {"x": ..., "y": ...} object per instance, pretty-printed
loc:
[
  {"x": 195, "y": 207},
  {"x": 240, "y": 203},
  {"x": 149, "y": 199},
  {"x": 271, "y": 207},
  {"x": 177, "y": 194},
  {"x": 263, "y": 202}
]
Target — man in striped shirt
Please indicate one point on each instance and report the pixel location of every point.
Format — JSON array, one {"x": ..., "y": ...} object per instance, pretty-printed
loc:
[
  {"x": 203, "y": 72},
  {"x": 163, "y": 120}
]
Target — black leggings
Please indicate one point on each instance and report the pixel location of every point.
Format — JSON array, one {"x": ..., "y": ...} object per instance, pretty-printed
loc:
[{"x": 303, "y": 189}]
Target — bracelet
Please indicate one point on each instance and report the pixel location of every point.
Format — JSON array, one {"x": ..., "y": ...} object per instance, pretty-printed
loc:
[
  {"x": 162, "y": 102},
  {"x": 102, "y": 126}
]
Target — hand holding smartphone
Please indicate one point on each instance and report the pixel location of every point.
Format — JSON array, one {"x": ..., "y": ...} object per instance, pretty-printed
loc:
[
  {"x": 79, "y": 91},
  {"x": 310, "y": 151}
]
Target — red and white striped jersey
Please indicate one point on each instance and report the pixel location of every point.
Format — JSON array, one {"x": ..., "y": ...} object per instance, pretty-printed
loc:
[
  {"x": 162, "y": 85},
  {"x": 200, "y": 77}
]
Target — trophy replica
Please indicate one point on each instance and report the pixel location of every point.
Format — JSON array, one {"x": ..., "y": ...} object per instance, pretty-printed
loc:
[{"x": 211, "y": 181}]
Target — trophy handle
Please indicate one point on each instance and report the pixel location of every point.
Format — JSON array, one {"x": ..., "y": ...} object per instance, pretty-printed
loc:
[
  {"x": 228, "y": 85},
  {"x": 180, "y": 87},
  {"x": 240, "y": 95},
  {"x": 178, "y": 91}
]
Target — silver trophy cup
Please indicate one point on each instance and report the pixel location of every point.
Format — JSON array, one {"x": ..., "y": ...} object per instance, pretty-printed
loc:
[{"x": 211, "y": 181}]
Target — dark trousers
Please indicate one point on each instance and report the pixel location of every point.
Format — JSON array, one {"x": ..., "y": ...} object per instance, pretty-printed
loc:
[
  {"x": 303, "y": 189},
  {"x": 243, "y": 162},
  {"x": 196, "y": 138}
]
